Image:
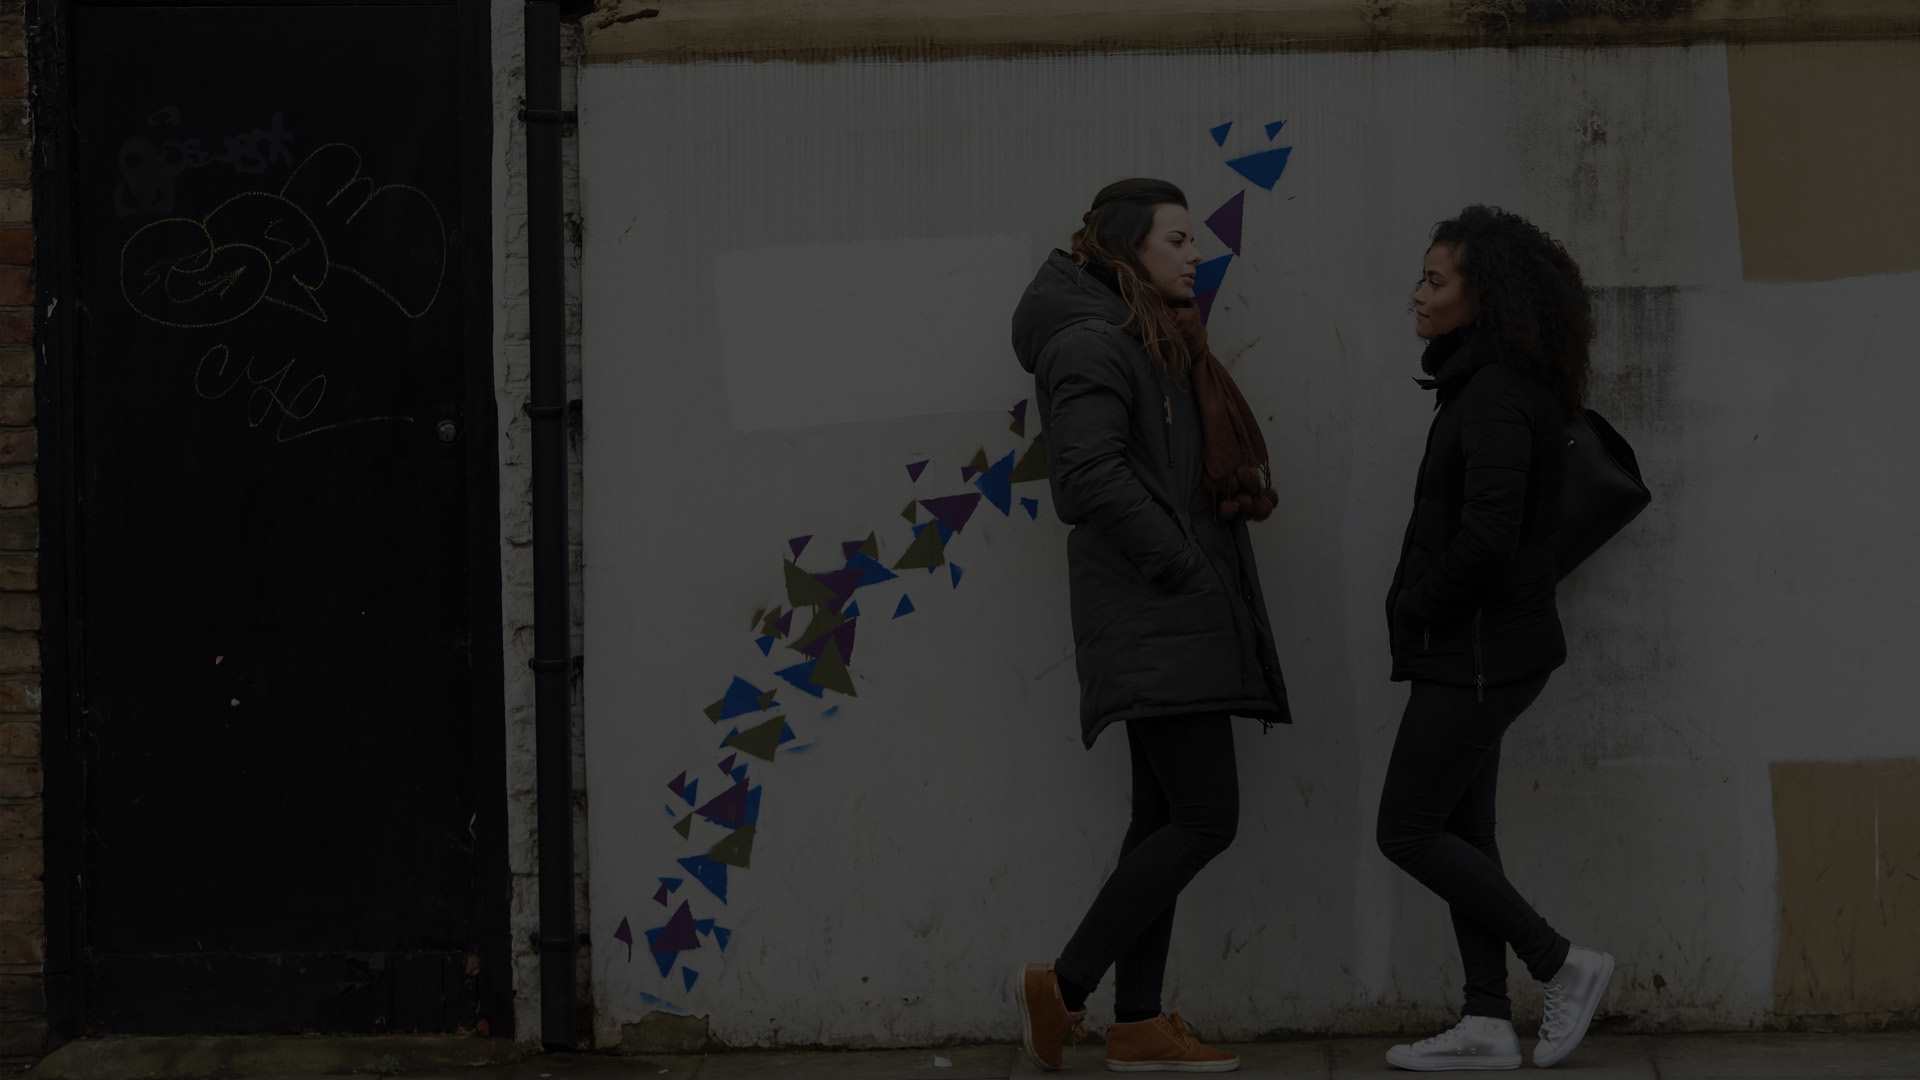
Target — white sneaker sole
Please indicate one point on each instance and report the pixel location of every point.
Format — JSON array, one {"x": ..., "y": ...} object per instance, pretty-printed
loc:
[
  {"x": 1483, "y": 1063},
  {"x": 1547, "y": 1057},
  {"x": 1026, "y": 1021},
  {"x": 1173, "y": 1066}
]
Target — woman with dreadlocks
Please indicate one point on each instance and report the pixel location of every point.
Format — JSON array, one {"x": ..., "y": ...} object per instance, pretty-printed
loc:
[{"x": 1158, "y": 464}]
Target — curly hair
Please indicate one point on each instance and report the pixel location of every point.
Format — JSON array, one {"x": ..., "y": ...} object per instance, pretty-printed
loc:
[
  {"x": 1532, "y": 301},
  {"x": 1110, "y": 236}
]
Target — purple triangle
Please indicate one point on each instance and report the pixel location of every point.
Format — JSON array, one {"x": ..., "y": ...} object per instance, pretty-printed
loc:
[
  {"x": 729, "y": 808},
  {"x": 1226, "y": 221},
  {"x": 954, "y": 511},
  {"x": 624, "y": 935},
  {"x": 679, "y": 785},
  {"x": 914, "y": 470},
  {"x": 727, "y": 765},
  {"x": 660, "y": 896},
  {"x": 1020, "y": 412},
  {"x": 799, "y": 544}
]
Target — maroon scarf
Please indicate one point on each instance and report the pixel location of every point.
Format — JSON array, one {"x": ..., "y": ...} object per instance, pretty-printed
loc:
[{"x": 1238, "y": 476}]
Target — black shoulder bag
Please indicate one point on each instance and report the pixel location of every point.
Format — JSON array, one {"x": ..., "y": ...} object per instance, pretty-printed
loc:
[{"x": 1602, "y": 492}]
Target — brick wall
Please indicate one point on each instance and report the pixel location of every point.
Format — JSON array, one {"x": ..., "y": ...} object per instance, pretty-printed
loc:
[{"x": 23, "y": 1025}]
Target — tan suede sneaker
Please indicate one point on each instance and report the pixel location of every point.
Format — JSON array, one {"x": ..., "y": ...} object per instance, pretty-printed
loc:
[
  {"x": 1163, "y": 1044},
  {"x": 1045, "y": 1023}
]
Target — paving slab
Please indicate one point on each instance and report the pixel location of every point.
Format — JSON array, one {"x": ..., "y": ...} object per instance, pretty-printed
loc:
[
  {"x": 1789, "y": 1057},
  {"x": 960, "y": 1063},
  {"x": 1599, "y": 1058},
  {"x": 1259, "y": 1061}
]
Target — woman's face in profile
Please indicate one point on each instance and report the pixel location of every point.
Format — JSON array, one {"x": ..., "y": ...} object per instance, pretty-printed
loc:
[
  {"x": 1169, "y": 254},
  {"x": 1441, "y": 302}
]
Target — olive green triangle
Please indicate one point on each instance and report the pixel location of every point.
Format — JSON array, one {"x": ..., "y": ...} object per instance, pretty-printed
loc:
[
  {"x": 715, "y": 711},
  {"x": 912, "y": 512},
  {"x": 770, "y": 626},
  {"x": 926, "y": 552},
  {"x": 761, "y": 741},
  {"x": 735, "y": 849},
  {"x": 805, "y": 590},
  {"x": 871, "y": 549},
  {"x": 685, "y": 828},
  {"x": 825, "y": 621},
  {"x": 979, "y": 462},
  {"x": 831, "y": 671},
  {"x": 758, "y": 614},
  {"x": 1033, "y": 463}
]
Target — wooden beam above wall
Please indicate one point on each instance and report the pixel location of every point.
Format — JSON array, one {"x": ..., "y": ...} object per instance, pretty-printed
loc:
[{"x": 673, "y": 31}]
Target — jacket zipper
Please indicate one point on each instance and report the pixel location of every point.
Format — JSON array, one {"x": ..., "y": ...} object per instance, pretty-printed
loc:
[
  {"x": 1166, "y": 400},
  {"x": 1479, "y": 666}
]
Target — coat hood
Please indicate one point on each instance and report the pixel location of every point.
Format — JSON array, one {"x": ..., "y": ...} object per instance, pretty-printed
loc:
[{"x": 1061, "y": 294}]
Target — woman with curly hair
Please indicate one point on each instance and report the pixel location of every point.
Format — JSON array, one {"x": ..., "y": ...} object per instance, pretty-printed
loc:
[
  {"x": 1158, "y": 464},
  {"x": 1471, "y": 615}
]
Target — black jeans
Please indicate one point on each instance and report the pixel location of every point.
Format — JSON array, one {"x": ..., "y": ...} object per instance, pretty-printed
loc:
[
  {"x": 1186, "y": 808},
  {"x": 1437, "y": 824}
]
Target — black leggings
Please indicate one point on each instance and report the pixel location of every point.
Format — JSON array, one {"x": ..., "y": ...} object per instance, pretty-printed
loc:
[
  {"x": 1437, "y": 824},
  {"x": 1186, "y": 808}
]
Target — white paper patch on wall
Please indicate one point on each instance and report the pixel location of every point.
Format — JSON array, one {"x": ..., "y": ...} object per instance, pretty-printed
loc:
[{"x": 866, "y": 332}]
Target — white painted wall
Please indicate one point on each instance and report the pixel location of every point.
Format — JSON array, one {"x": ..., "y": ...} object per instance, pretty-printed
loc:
[{"x": 750, "y": 224}]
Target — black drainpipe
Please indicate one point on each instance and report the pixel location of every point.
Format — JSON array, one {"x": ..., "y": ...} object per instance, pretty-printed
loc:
[{"x": 552, "y": 628}]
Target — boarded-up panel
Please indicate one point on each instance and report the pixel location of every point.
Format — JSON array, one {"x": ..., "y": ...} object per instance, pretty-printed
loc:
[
  {"x": 1849, "y": 840},
  {"x": 1826, "y": 158}
]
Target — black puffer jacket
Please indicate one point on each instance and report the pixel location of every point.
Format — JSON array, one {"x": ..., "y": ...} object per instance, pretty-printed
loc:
[
  {"x": 1168, "y": 616},
  {"x": 1472, "y": 601}
]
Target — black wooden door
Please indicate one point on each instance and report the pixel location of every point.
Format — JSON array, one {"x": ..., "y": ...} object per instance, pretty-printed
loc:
[{"x": 289, "y": 729}]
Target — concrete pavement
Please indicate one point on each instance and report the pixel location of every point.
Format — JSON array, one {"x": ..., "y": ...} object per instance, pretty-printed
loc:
[{"x": 1894, "y": 1056}]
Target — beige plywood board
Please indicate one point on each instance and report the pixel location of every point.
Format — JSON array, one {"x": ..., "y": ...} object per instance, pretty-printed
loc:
[
  {"x": 1826, "y": 158},
  {"x": 1848, "y": 835}
]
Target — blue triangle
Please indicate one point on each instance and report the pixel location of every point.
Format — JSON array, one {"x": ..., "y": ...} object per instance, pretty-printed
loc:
[
  {"x": 722, "y": 935},
  {"x": 690, "y": 975},
  {"x": 1208, "y": 275},
  {"x": 801, "y": 675},
  {"x": 663, "y": 958},
  {"x": 905, "y": 606},
  {"x": 1263, "y": 168},
  {"x": 753, "y": 807},
  {"x": 739, "y": 774},
  {"x": 672, "y": 883},
  {"x": 956, "y": 573},
  {"x": 693, "y": 791},
  {"x": 786, "y": 733},
  {"x": 997, "y": 484},
  {"x": 872, "y": 573},
  {"x": 853, "y": 610},
  {"x": 709, "y": 873},
  {"x": 766, "y": 645},
  {"x": 834, "y": 711},
  {"x": 1220, "y": 133},
  {"x": 670, "y": 812},
  {"x": 1032, "y": 507},
  {"x": 703, "y": 927},
  {"x": 1274, "y": 129}
]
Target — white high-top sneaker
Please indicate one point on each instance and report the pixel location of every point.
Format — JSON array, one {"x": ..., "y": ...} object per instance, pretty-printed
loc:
[
  {"x": 1573, "y": 995},
  {"x": 1475, "y": 1043}
]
